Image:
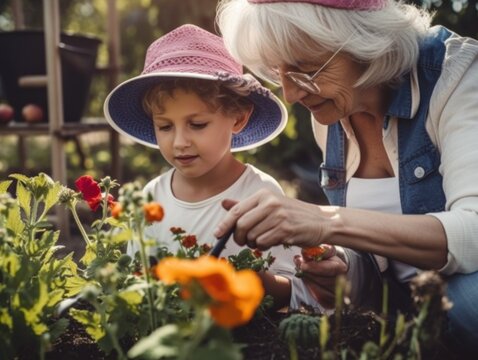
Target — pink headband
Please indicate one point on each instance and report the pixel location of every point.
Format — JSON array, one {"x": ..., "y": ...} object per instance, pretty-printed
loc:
[{"x": 339, "y": 4}]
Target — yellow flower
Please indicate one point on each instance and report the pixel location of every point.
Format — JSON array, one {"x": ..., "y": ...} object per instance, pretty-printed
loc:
[{"x": 234, "y": 295}]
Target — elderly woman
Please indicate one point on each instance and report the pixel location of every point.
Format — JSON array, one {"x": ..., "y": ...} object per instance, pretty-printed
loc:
[{"x": 394, "y": 106}]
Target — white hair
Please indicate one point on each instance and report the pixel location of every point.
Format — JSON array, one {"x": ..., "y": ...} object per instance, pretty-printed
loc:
[{"x": 261, "y": 36}]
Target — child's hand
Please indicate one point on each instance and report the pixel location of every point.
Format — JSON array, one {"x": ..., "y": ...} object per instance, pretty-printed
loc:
[{"x": 319, "y": 275}]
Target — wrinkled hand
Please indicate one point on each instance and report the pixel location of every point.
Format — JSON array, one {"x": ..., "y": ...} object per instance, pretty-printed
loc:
[
  {"x": 266, "y": 219},
  {"x": 320, "y": 276}
]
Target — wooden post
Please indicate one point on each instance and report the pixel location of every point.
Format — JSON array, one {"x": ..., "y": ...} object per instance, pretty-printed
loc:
[
  {"x": 52, "y": 30},
  {"x": 113, "y": 31}
]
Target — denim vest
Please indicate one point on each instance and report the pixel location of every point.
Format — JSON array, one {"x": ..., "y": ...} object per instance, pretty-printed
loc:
[{"x": 420, "y": 182}]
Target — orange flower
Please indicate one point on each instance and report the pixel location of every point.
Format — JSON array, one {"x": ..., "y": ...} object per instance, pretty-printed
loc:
[
  {"x": 313, "y": 253},
  {"x": 153, "y": 212},
  {"x": 248, "y": 293},
  {"x": 189, "y": 241},
  {"x": 116, "y": 210},
  {"x": 234, "y": 295}
]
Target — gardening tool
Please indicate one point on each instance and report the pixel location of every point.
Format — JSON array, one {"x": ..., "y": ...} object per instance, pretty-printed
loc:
[{"x": 221, "y": 243}]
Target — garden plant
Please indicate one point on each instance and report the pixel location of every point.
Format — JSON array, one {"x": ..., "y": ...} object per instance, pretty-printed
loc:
[{"x": 163, "y": 305}]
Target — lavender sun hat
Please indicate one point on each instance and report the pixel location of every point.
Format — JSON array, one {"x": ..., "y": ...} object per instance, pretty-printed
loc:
[
  {"x": 338, "y": 4},
  {"x": 192, "y": 52}
]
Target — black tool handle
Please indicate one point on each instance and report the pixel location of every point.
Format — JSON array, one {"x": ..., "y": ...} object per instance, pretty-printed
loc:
[{"x": 221, "y": 243}]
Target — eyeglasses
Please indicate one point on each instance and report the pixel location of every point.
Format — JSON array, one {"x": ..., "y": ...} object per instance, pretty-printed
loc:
[{"x": 306, "y": 81}]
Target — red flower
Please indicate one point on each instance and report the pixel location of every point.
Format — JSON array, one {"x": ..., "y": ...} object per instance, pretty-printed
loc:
[
  {"x": 257, "y": 253},
  {"x": 177, "y": 230},
  {"x": 189, "y": 241},
  {"x": 91, "y": 192},
  {"x": 205, "y": 248}
]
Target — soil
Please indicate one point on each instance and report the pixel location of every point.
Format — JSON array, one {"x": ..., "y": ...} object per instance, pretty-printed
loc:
[{"x": 260, "y": 339}]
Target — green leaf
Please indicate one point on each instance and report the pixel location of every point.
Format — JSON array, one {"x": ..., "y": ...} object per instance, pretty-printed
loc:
[
  {"x": 74, "y": 285},
  {"x": 19, "y": 177},
  {"x": 55, "y": 296},
  {"x": 121, "y": 237},
  {"x": 4, "y": 185},
  {"x": 6, "y": 319},
  {"x": 58, "y": 328},
  {"x": 131, "y": 297},
  {"x": 24, "y": 198},
  {"x": 52, "y": 196},
  {"x": 92, "y": 322},
  {"x": 14, "y": 221},
  {"x": 90, "y": 255},
  {"x": 33, "y": 316}
]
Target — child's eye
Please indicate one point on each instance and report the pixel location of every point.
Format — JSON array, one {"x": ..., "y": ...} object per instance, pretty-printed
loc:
[
  {"x": 164, "y": 127},
  {"x": 198, "y": 125}
]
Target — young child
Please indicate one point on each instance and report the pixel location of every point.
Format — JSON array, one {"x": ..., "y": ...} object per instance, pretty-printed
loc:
[{"x": 193, "y": 102}]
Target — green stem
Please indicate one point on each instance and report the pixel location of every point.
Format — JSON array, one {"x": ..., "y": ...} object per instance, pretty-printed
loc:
[
  {"x": 383, "y": 323},
  {"x": 32, "y": 220},
  {"x": 294, "y": 355},
  {"x": 78, "y": 223},
  {"x": 145, "y": 262},
  {"x": 203, "y": 324},
  {"x": 109, "y": 332}
]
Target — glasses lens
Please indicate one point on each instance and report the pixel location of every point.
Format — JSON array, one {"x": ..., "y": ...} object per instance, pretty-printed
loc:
[{"x": 304, "y": 81}]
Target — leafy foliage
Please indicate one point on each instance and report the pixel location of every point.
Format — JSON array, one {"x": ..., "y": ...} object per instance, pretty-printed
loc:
[{"x": 33, "y": 281}]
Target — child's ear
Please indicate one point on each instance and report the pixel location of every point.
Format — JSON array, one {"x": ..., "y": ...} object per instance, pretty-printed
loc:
[{"x": 241, "y": 120}]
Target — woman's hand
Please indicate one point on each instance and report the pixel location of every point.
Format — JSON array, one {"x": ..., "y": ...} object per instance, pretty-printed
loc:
[
  {"x": 320, "y": 276},
  {"x": 266, "y": 219}
]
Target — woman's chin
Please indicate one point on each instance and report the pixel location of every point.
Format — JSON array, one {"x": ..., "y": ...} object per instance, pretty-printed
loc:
[{"x": 324, "y": 119}]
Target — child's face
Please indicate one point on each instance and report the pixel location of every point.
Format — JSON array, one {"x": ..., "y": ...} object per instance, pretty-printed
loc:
[{"x": 191, "y": 136}]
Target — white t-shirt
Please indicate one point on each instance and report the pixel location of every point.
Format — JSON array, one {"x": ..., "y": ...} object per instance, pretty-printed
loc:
[
  {"x": 200, "y": 219},
  {"x": 380, "y": 195}
]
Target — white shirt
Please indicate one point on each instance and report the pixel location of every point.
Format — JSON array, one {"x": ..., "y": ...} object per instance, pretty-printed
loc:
[{"x": 380, "y": 195}]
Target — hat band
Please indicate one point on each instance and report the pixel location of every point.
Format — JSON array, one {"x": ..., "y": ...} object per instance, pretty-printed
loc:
[
  {"x": 197, "y": 54},
  {"x": 338, "y": 4}
]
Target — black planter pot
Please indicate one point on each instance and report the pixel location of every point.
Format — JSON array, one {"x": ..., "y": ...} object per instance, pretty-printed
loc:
[{"x": 23, "y": 54}]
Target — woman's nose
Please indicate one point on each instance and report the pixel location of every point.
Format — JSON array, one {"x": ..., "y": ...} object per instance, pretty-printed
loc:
[{"x": 291, "y": 92}]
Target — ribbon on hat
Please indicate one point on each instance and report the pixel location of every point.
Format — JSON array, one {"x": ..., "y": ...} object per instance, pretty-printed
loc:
[{"x": 338, "y": 4}]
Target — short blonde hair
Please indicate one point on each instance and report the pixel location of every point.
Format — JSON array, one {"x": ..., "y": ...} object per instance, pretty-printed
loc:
[{"x": 386, "y": 41}]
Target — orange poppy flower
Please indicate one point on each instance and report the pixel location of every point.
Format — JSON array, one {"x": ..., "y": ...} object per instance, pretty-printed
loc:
[
  {"x": 248, "y": 293},
  {"x": 153, "y": 212},
  {"x": 313, "y": 253},
  {"x": 234, "y": 295}
]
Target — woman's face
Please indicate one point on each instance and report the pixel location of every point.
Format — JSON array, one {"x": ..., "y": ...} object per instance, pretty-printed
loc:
[{"x": 337, "y": 97}]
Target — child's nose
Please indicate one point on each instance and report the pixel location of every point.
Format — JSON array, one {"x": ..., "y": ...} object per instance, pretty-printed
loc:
[{"x": 181, "y": 139}]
